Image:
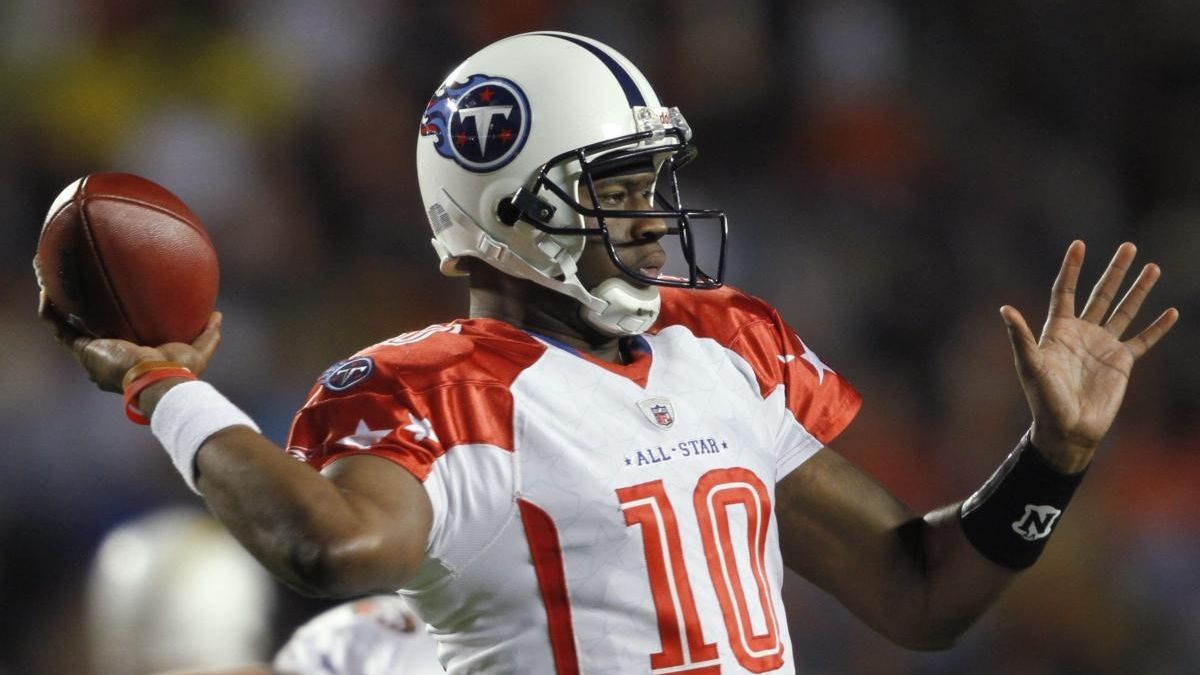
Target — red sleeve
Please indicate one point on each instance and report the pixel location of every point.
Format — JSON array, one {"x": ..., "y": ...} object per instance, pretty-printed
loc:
[
  {"x": 391, "y": 426},
  {"x": 408, "y": 403},
  {"x": 822, "y": 401}
]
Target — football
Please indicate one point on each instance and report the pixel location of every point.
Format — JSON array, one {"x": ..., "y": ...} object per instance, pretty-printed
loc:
[{"x": 121, "y": 257}]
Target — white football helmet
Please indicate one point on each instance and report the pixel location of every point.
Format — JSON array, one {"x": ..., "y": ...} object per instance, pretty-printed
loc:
[
  {"x": 504, "y": 145},
  {"x": 173, "y": 589}
]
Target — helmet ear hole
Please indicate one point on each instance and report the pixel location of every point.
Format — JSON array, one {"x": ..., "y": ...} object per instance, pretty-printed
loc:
[{"x": 508, "y": 213}]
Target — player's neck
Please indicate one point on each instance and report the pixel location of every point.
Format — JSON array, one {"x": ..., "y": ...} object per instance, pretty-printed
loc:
[{"x": 537, "y": 309}]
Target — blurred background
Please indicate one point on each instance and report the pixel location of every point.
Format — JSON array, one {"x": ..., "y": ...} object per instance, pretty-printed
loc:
[{"x": 893, "y": 172}]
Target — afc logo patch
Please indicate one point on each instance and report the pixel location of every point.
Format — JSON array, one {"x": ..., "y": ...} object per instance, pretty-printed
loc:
[
  {"x": 481, "y": 124},
  {"x": 345, "y": 374}
]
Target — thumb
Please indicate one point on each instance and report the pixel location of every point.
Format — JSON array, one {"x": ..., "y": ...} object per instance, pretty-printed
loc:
[
  {"x": 1025, "y": 348},
  {"x": 206, "y": 343}
]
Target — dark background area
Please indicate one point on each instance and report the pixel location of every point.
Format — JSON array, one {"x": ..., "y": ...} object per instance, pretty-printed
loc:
[{"x": 893, "y": 173}]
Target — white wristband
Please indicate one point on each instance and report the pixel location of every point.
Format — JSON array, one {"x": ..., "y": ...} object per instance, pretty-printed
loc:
[{"x": 186, "y": 416}]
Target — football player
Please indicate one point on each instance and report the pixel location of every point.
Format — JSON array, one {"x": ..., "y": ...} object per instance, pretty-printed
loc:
[
  {"x": 605, "y": 468},
  {"x": 170, "y": 588},
  {"x": 376, "y": 635}
]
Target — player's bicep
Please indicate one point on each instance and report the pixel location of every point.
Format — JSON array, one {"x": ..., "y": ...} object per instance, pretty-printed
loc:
[
  {"x": 393, "y": 513},
  {"x": 842, "y": 530}
]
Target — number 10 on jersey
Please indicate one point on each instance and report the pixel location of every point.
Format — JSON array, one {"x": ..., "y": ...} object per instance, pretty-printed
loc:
[{"x": 684, "y": 648}]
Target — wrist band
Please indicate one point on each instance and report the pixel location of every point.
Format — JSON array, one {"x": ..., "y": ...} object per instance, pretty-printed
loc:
[
  {"x": 186, "y": 416},
  {"x": 143, "y": 367},
  {"x": 1010, "y": 518},
  {"x": 143, "y": 375}
]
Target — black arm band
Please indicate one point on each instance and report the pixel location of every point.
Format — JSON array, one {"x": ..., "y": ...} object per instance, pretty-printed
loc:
[{"x": 1011, "y": 517}]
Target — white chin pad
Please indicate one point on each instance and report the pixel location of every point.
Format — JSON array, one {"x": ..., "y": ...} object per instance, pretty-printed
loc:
[{"x": 630, "y": 310}]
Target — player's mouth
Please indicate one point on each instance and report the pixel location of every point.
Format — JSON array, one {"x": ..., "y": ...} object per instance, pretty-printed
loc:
[{"x": 651, "y": 266}]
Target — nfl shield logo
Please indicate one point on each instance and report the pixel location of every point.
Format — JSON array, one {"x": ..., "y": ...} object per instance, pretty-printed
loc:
[{"x": 659, "y": 411}]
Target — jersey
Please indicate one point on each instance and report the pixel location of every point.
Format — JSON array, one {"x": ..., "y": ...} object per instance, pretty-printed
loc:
[
  {"x": 590, "y": 517},
  {"x": 378, "y": 635}
]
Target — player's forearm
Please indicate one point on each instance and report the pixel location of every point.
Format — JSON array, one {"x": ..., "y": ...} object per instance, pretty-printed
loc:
[
  {"x": 295, "y": 521},
  {"x": 944, "y": 583},
  {"x": 964, "y": 555},
  {"x": 915, "y": 579},
  {"x": 973, "y": 550},
  {"x": 283, "y": 512}
]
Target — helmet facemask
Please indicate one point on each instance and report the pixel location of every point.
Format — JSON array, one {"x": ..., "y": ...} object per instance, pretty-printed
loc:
[{"x": 663, "y": 151}]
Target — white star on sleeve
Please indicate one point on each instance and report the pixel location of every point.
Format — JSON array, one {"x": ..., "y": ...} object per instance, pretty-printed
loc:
[
  {"x": 814, "y": 361},
  {"x": 421, "y": 429},
  {"x": 363, "y": 436}
]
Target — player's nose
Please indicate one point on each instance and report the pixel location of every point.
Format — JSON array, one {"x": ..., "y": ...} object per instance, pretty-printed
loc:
[{"x": 648, "y": 229}]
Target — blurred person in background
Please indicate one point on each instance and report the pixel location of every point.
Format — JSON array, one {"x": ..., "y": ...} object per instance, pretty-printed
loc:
[
  {"x": 172, "y": 591},
  {"x": 508, "y": 540},
  {"x": 376, "y": 635}
]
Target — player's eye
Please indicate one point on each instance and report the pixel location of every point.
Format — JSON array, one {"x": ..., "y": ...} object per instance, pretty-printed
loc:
[{"x": 614, "y": 198}]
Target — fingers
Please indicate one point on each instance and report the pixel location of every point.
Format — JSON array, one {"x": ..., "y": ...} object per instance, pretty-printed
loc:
[
  {"x": 1131, "y": 304},
  {"x": 43, "y": 306},
  {"x": 1145, "y": 341},
  {"x": 75, "y": 341},
  {"x": 1106, "y": 289},
  {"x": 1025, "y": 348},
  {"x": 1062, "y": 294},
  {"x": 78, "y": 344},
  {"x": 208, "y": 341},
  {"x": 1062, "y": 298},
  {"x": 63, "y": 332},
  {"x": 195, "y": 356},
  {"x": 97, "y": 358}
]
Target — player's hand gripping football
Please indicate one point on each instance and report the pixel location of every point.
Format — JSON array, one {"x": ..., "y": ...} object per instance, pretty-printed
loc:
[
  {"x": 106, "y": 360},
  {"x": 1075, "y": 376}
]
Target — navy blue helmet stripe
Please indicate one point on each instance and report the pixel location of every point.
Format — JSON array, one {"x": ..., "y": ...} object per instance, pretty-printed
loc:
[{"x": 632, "y": 93}]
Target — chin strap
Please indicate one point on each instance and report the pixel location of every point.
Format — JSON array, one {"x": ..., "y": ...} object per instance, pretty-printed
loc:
[{"x": 630, "y": 310}]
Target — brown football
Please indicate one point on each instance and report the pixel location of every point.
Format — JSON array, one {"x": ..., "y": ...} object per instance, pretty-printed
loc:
[{"x": 121, "y": 257}]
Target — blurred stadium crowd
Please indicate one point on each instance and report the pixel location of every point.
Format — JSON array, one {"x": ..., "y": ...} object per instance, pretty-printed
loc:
[{"x": 894, "y": 172}]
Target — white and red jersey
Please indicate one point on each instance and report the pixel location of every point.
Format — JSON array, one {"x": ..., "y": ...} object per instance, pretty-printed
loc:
[
  {"x": 377, "y": 635},
  {"x": 592, "y": 517}
]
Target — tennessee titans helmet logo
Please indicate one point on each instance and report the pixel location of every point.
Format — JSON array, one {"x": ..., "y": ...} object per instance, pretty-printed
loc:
[
  {"x": 481, "y": 124},
  {"x": 345, "y": 374}
]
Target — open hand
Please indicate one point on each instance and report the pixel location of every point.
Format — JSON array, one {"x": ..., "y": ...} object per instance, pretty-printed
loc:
[
  {"x": 107, "y": 360},
  {"x": 1075, "y": 376}
]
